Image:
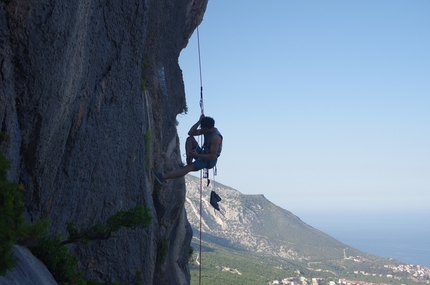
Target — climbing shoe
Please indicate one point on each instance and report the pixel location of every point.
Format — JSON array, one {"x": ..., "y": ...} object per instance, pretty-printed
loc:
[{"x": 158, "y": 176}]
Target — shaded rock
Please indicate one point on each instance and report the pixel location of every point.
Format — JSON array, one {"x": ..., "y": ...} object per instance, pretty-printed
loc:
[
  {"x": 28, "y": 270},
  {"x": 82, "y": 84}
]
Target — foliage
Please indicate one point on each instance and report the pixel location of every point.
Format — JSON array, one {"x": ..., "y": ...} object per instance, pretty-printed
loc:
[
  {"x": 185, "y": 109},
  {"x": 94, "y": 282},
  {"x": 137, "y": 217},
  {"x": 190, "y": 254},
  {"x": 13, "y": 227},
  {"x": 145, "y": 75},
  {"x": 139, "y": 277},
  {"x": 149, "y": 148},
  {"x": 59, "y": 262},
  {"x": 183, "y": 112},
  {"x": 163, "y": 249},
  {"x": 219, "y": 265},
  {"x": 11, "y": 207},
  {"x": 51, "y": 250},
  {"x": 63, "y": 266},
  {"x": 3, "y": 137}
]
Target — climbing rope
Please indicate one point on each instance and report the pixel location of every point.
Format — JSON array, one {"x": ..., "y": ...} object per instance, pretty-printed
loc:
[
  {"x": 204, "y": 173},
  {"x": 200, "y": 71},
  {"x": 201, "y": 207},
  {"x": 201, "y": 143}
]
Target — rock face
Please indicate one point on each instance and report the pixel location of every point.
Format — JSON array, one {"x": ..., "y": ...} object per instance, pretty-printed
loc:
[
  {"x": 89, "y": 95},
  {"x": 28, "y": 270}
]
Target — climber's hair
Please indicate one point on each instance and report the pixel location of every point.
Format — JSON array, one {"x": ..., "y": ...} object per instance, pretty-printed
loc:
[{"x": 207, "y": 122}]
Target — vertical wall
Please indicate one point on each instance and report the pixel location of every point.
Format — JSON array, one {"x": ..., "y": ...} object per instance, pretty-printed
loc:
[{"x": 83, "y": 82}]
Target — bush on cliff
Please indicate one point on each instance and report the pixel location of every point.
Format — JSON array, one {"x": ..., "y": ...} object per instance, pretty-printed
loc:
[
  {"x": 10, "y": 209},
  {"x": 14, "y": 229},
  {"x": 52, "y": 250}
]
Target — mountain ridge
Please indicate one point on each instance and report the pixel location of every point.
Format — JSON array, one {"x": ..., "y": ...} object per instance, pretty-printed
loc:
[
  {"x": 254, "y": 223},
  {"x": 265, "y": 244}
]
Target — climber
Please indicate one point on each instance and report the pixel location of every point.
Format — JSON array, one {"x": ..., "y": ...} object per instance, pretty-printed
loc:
[{"x": 205, "y": 157}]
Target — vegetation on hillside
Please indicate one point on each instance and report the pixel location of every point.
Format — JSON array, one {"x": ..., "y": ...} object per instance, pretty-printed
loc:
[
  {"x": 257, "y": 242},
  {"x": 226, "y": 266}
]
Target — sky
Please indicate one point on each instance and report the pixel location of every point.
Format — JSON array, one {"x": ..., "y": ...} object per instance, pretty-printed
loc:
[{"x": 323, "y": 105}]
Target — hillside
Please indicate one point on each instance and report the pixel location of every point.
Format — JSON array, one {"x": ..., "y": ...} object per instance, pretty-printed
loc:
[
  {"x": 255, "y": 224},
  {"x": 257, "y": 241}
]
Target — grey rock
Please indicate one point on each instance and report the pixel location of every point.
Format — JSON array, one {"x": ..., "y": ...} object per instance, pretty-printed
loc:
[
  {"x": 82, "y": 83},
  {"x": 28, "y": 270}
]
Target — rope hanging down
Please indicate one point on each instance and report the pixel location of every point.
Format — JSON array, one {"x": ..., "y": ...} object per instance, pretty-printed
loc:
[
  {"x": 202, "y": 174},
  {"x": 200, "y": 70},
  {"x": 201, "y": 171}
]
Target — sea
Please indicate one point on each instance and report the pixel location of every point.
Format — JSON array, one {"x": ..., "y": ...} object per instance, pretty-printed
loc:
[{"x": 401, "y": 235}]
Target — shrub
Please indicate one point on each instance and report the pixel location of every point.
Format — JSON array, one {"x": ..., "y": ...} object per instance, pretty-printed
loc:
[
  {"x": 145, "y": 75},
  {"x": 137, "y": 217},
  {"x": 54, "y": 254},
  {"x": 52, "y": 251},
  {"x": 190, "y": 254},
  {"x": 163, "y": 249},
  {"x": 149, "y": 147},
  {"x": 13, "y": 227}
]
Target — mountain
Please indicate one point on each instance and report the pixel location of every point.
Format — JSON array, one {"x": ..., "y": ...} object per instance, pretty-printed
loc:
[
  {"x": 253, "y": 223},
  {"x": 256, "y": 241}
]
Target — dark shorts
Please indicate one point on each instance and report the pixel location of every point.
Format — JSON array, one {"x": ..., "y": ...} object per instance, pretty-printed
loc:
[{"x": 202, "y": 163}]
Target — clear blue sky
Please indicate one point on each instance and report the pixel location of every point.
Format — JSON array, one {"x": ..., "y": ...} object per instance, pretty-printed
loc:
[{"x": 323, "y": 104}]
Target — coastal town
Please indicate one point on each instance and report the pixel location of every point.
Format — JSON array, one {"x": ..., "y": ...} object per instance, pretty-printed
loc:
[{"x": 416, "y": 273}]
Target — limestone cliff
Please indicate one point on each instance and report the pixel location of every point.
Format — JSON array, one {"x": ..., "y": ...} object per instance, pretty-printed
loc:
[{"x": 83, "y": 83}]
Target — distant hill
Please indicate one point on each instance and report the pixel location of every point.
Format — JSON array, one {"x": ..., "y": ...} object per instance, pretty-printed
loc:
[
  {"x": 255, "y": 224},
  {"x": 257, "y": 241}
]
